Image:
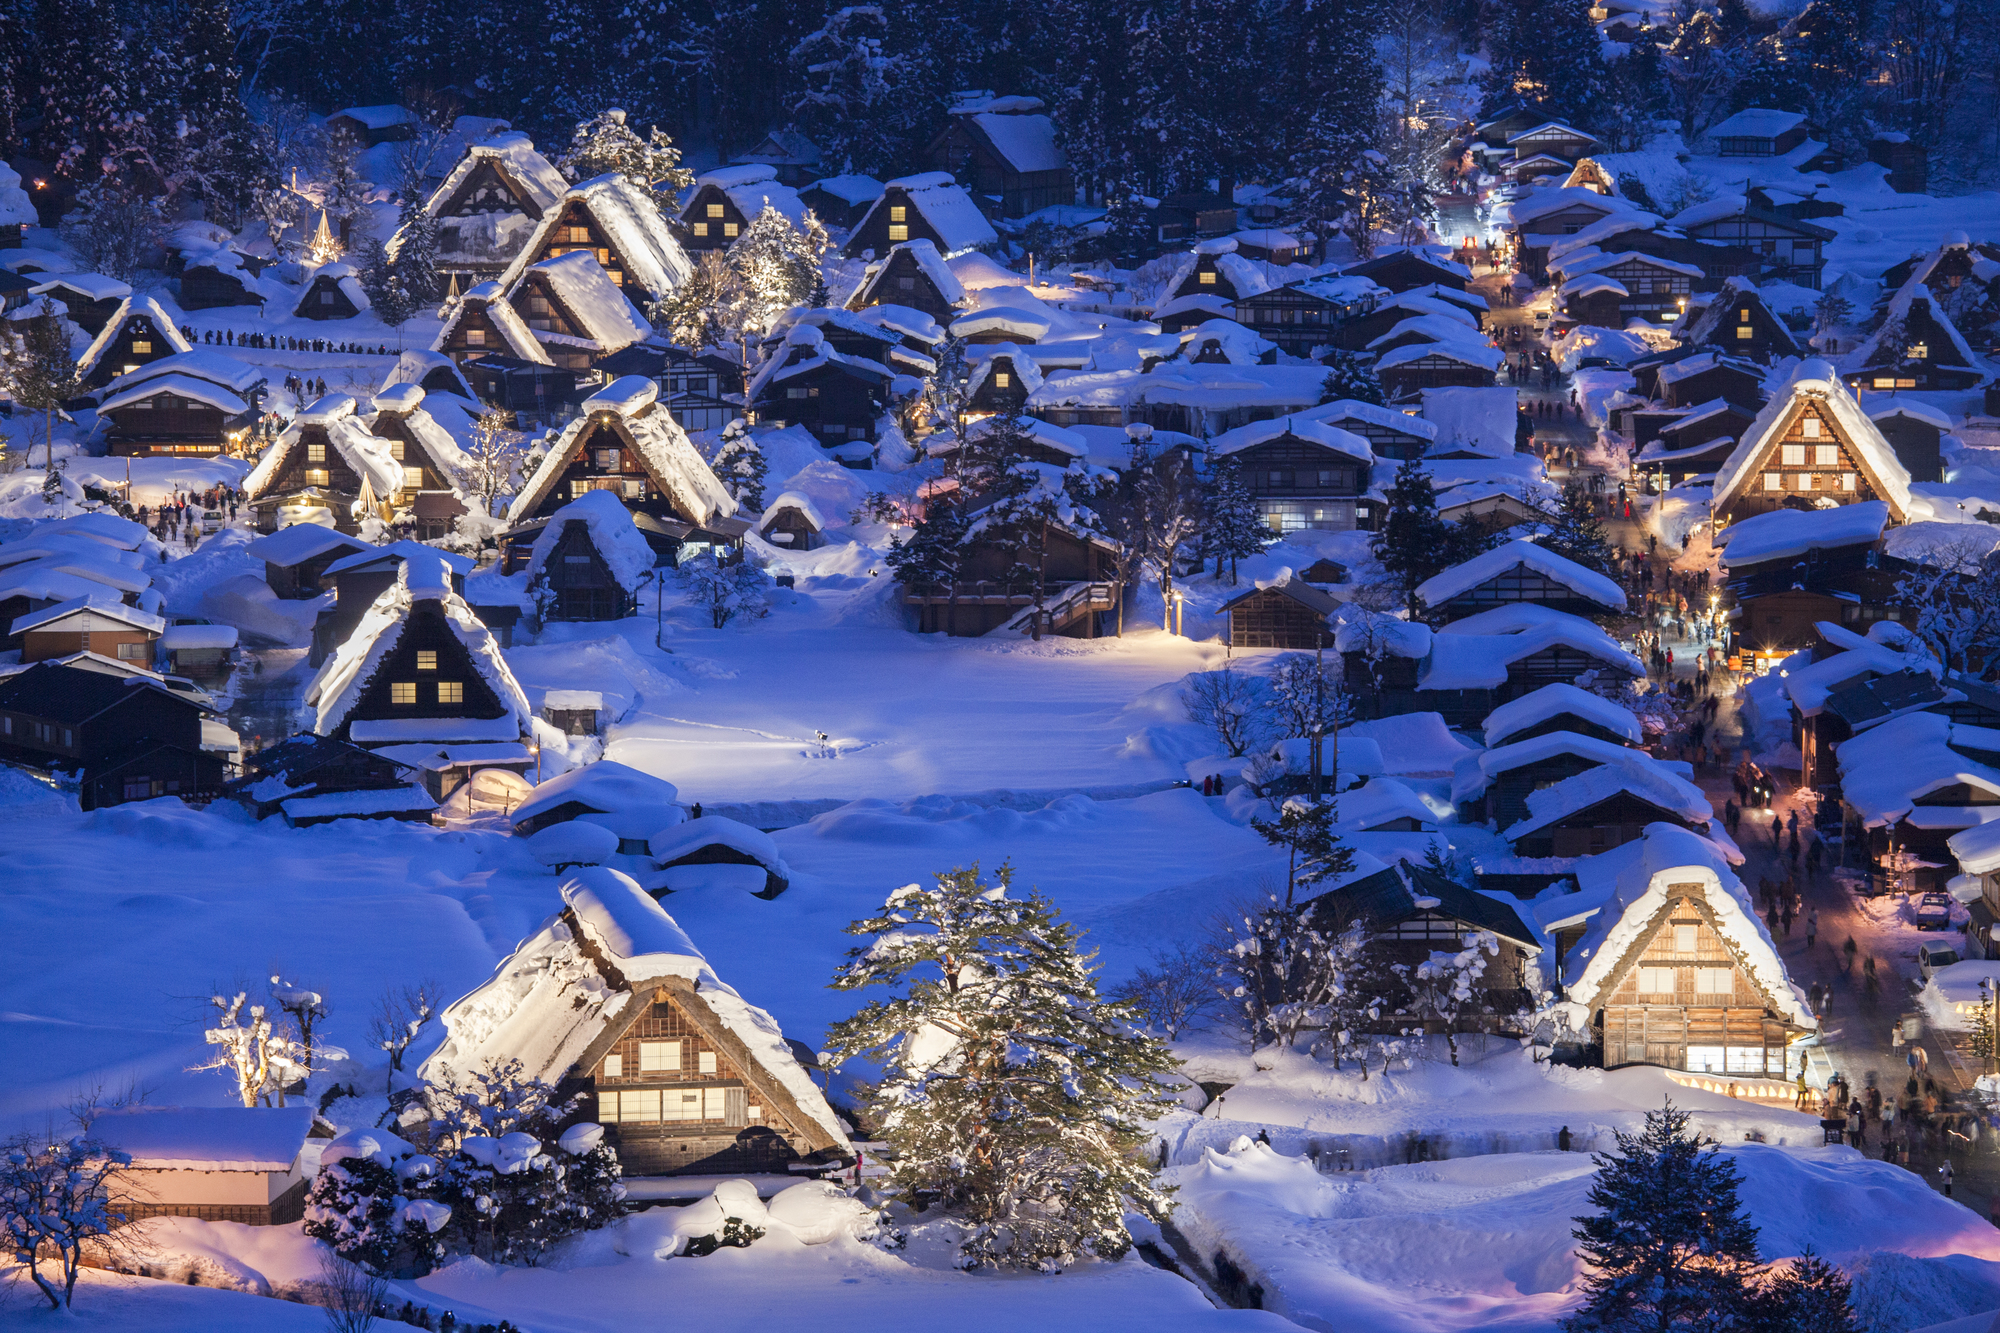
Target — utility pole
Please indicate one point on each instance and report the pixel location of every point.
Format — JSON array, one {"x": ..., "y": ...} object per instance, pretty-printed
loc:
[{"x": 1317, "y": 747}]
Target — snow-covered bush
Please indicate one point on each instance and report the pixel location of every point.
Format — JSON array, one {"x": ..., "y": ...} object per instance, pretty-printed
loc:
[
  {"x": 370, "y": 1202},
  {"x": 740, "y": 466},
  {"x": 1230, "y": 705},
  {"x": 813, "y": 1212},
  {"x": 515, "y": 1196},
  {"x": 55, "y": 1198},
  {"x": 725, "y": 591}
]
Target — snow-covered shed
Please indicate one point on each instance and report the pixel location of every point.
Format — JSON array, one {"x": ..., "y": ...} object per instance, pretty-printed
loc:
[
  {"x": 419, "y": 667},
  {"x": 332, "y": 292},
  {"x": 911, "y": 274},
  {"x": 1007, "y": 153},
  {"x": 632, "y": 804},
  {"x": 1915, "y": 781},
  {"x": 1673, "y": 967},
  {"x": 792, "y": 520},
  {"x": 301, "y": 776},
  {"x": 715, "y": 852},
  {"x": 295, "y": 557},
  {"x": 1917, "y": 346},
  {"x": 1916, "y": 431},
  {"x": 931, "y": 206},
  {"x": 590, "y": 561},
  {"x": 1811, "y": 441},
  {"x": 611, "y": 1000},
  {"x": 1493, "y": 785},
  {"x": 1292, "y": 614},
  {"x": 839, "y": 398},
  {"x": 575, "y": 311},
  {"x": 626, "y": 442},
  {"x": 137, "y": 332},
  {"x": 89, "y": 299},
  {"x": 1520, "y": 571},
  {"x": 1605, "y": 807},
  {"x": 325, "y": 468},
  {"x": 721, "y": 204},
  {"x": 489, "y": 205},
  {"x": 613, "y": 219},
  {"x": 1213, "y": 269},
  {"x": 1562, "y": 707},
  {"x": 432, "y": 372},
  {"x": 217, "y": 1163}
]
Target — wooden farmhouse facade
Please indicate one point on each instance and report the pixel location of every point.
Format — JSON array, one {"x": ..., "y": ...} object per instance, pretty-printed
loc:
[
  {"x": 1516, "y": 573},
  {"x": 1005, "y": 153},
  {"x": 1075, "y": 586},
  {"x": 1811, "y": 446},
  {"x": 174, "y": 414},
  {"x": 928, "y": 207},
  {"x": 685, "y": 1076},
  {"x": 326, "y": 462},
  {"x": 138, "y": 333},
  {"x": 1290, "y": 615},
  {"x": 1793, "y": 249},
  {"x": 911, "y": 274},
  {"x": 90, "y": 298},
  {"x": 127, "y": 740},
  {"x": 1917, "y": 347},
  {"x": 333, "y": 293},
  {"x": 491, "y": 203},
  {"x": 1303, "y": 474}
]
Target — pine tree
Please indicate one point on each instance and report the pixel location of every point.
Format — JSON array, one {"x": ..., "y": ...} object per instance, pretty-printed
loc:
[
  {"x": 1669, "y": 1248},
  {"x": 1546, "y": 54},
  {"x": 740, "y": 466},
  {"x": 605, "y": 143},
  {"x": 1234, "y": 526},
  {"x": 1576, "y": 533},
  {"x": 344, "y": 195},
  {"x": 70, "y": 36},
  {"x": 416, "y": 259},
  {"x": 1808, "y": 1295},
  {"x": 1128, "y": 224},
  {"x": 14, "y": 100},
  {"x": 1412, "y": 544},
  {"x": 1013, "y": 1094},
  {"x": 849, "y": 76},
  {"x": 1314, "y": 853},
  {"x": 39, "y": 370},
  {"x": 930, "y": 559},
  {"x": 221, "y": 157},
  {"x": 1351, "y": 377}
]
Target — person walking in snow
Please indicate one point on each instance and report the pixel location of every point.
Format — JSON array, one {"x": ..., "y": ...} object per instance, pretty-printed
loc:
[
  {"x": 1785, "y": 918},
  {"x": 1812, "y": 926},
  {"x": 1777, "y": 831},
  {"x": 1944, "y": 1174},
  {"x": 1848, "y": 950}
]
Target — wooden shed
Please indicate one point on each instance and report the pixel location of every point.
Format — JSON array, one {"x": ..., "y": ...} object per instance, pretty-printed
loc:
[
  {"x": 217, "y": 1163},
  {"x": 334, "y": 292},
  {"x": 1291, "y": 615}
]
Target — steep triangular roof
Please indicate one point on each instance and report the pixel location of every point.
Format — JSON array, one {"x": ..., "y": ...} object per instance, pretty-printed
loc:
[
  {"x": 1468, "y": 574},
  {"x": 593, "y": 302},
  {"x": 1722, "y": 308},
  {"x": 132, "y": 306},
  {"x": 366, "y": 454},
  {"x": 653, "y": 259},
  {"x": 1815, "y": 385},
  {"x": 489, "y": 299},
  {"x": 1915, "y": 302},
  {"x": 404, "y": 405},
  {"x": 575, "y": 985},
  {"x": 627, "y": 408}
]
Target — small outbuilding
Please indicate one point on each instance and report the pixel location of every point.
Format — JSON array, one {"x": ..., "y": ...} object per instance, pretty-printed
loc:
[
  {"x": 217, "y": 1163},
  {"x": 334, "y": 292},
  {"x": 717, "y": 853},
  {"x": 1292, "y": 614}
]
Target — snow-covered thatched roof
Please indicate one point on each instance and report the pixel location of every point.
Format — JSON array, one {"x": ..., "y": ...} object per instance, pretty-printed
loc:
[
  {"x": 513, "y": 155},
  {"x": 420, "y": 583},
  {"x": 1299, "y": 427},
  {"x": 1026, "y": 373},
  {"x": 628, "y": 408},
  {"x": 1554, "y": 700},
  {"x": 1586, "y": 583},
  {"x": 301, "y": 542},
  {"x": 1635, "y": 883},
  {"x": 1814, "y": 381},
  {"x": 16, "y": 208},
  {"x": 654, "y": 260},
  {"x": 342, "y": 275},
  {"x": 366, "y": 454},
  {"x": 569, "y": 989},
  {"x": 132, "y": 306},
  {"x": 605, "y": 786},
  {"x": 1887, "y": 648},
  {"x": 751, "y": 189},
  {"x": 491, "y": 299},
  {"x": 414, "y": 367},
  {"x": 201, "y": 391},
  {"x": 607, "y": 315},
  {"x": 927, "y": 259},
  {"x": 805, "y": 350},
  {"x": 202, "y": 363},
  {"x": 1886, "y": 769},
  {"x": 945, "y": 206},
  {"x": 1784, "y": 533},
  {"x": 612, "y": 532},
  {"x": 1241, "y": 274},
  {"x": 1872, "y": 353}
]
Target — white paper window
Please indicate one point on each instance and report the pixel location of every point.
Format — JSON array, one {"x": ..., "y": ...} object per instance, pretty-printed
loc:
[
  {"x": 1705, "y": 1059},
  {"x": 607, "y": 1108},
  {"x": 1656, "y": 981},
  {"x": 1806, "y": 480},
  {"x": 659, "y": 1057},
  {"x": 683, "y": 1104},
  {"x": 1002, "y": 380},
  {"x": 715, "y": 210},
  {"x": 704, "y": 1063},
  {"x": 427, "y": 659},
  {"x": 1715, "y": 981},
  {"x": 1847, "y": 481},
  {"x": 1810, "y": 428},
  {"x": 1746, "y": 1059},
  {"x": 1685, "y": 937},
  {"x": 1208, "y": 279},
  {"x": 754, "y": 1112},
  {"x": 1793, "y": 455},
  {"x": 714, "y": 1103},
  {"x": 475, "y": 337},
  {"x": 1774, "y": 481},
  {"x": 614, "y": 1066},
  {"x": 898, "y": 231},
  {"x": 1745, "y": 332},
  {"x": 701, "y": 229},
  {"x": 639, "y": 1104},
  {"x": 1826, "y": 455}
]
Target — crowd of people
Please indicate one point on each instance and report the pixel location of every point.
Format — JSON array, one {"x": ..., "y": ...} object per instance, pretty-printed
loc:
[
  {"x": 182, "y": 511},
  {"x": 280, "y": 342}
]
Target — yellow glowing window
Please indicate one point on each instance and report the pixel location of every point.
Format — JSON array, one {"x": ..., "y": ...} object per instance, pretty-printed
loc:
[
  {"x": 701, "y": 229},
  {"x": 451, "y": 692},
  {"x": 403, "y": 692},
  {"x": 715, "y": 210},
  {"x": 730, "y": 229},
  {"x": 315, "y": 453},
  {"x": 898, "y": 213},
  {"x": 427, "y": 659},
  {"x": 1001, "y": 379},
  {"x": 898, "y": 232},
  {"x": 1208, "y": 279}
]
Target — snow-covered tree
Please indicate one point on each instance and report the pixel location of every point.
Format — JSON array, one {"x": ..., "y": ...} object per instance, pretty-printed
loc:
[
  {"x": 219, "y": 157},
  {"x": 1955, "y": 591},
  {"x": 344, "y": 192},
  {"x": 307, "y": 1009},
  {"x": 116, "y": 226},
  {"x": 1669, "y": 1249},
  {"x": 1228, "y": 703},
  {"x": 249, "y": 1048},
  {"x": 1807, "y": 1295},
  {"x": 1168, "y": 503},
  {"x": 1314, "y": 852},
  {"x": 39, "y": 372},
  {"x": 778, "y": 262},
  {"x": 711, "y": 309},
  {"x": 13, "y": 79},
  {"x": 1445, "y": 987},
  {"x": 416, "y": 260},
  {"x": 1287, "y": 972},
  {"x": 1351, "y": 376},
  {"x": 848, "y": 77},
  {"x": 1546, "y": 54},
  {"x": 605, "y": 143},
  {"x": 57, "y": 1199},
  {"x": 1233, "y": 525},
  {"x": 1411, "y": 545},
  {"x": 931, "y": 558},
  {"x": 1307, "y": 698},
  {"x": 494, "y": 451},
  {"x": 739, "y": 464},
  {"x": 726, "y": 592},
  {"x": 371, "y": 1202},
  {"x": 1575, "y": 531},
  {"x": 1012, "y": 1093}
]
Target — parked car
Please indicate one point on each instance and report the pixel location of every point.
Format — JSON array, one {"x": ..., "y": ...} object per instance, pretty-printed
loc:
[
  {"x": 1932, "y": 958},
  {"x": 1934, "y": 911}
]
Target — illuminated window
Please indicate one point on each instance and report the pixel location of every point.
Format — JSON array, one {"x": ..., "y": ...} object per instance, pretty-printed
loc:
[
  {"x": 1847, "y": 481},
  {"x": 701, "y": 229},
  {"x": 141, "y": 346},
  {"x": 897, "y": 213},
  {"x": 705, "y": 1062},
  {"x": 715, "y": 210},
  {"x": 1810, "y": 428},
  {"x": 315, "y": 453},
  {"x": 315, "y": 476},
  {"x": 1826, "y": 455},
  {"x": 1806, "y": 480},
  {"x": 614, "y": 1066},
  {"x": 1743, "y": 315},
  {"x": 1792, "y": 455},
  {"x": 656, "y": 1057},
  {"x": 579, "y": 235},
  {"x": 1885, "y": 382},
  {"x": 730, "y": 229},
  {"x": 475, "y": 337},
  {"x": 451, "y": 692},
  {"x": 403, "y": 692},
  {"x": 1745, "y": 331},
  {"x": 1916, "y": 351},
  {"x": 427, "y": 659},
  {"x": 1208, "y": 278},
  {"x": 898, "y": 232},
  {"x": 396, "y": 450},
  {"x": 1001, "y": 379}
]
